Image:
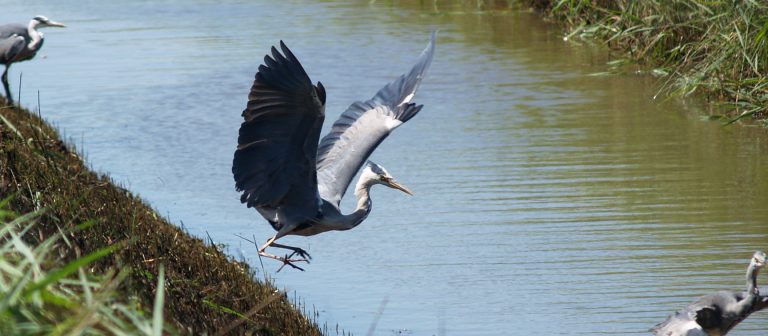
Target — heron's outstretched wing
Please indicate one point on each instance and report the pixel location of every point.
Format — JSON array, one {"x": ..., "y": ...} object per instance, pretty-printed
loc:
[
  {"x": 10, "y": 48},
  {"x": 275, "y": 161},
  {"x": 363, "y": 126}
]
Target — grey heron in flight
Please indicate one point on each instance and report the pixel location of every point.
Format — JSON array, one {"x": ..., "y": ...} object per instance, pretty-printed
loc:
[
  {"x": 297, "y": 184},
  {"x": 20, "y": 43},
  {"x": 716, "y": 314}
]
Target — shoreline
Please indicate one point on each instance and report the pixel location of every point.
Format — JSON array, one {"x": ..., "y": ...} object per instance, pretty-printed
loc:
[
  {"x": 691, "y": 50},
  {"x": 205, "y": 290}
]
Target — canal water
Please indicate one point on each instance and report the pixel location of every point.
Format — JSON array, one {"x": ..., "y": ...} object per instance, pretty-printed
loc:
[{"x": 548, "y": 200}]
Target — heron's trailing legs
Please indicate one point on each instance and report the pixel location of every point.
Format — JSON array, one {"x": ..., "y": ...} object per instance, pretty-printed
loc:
[
  {"x": 8, "y": 96},
  {"x": 305, "y": 257}
]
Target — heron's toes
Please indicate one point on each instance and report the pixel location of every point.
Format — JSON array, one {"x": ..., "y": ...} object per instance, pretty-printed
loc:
[
  {"x": 304, "y": 257},
  {"x": 290, "y": 262},
  {"x": 302, "y": 253}
]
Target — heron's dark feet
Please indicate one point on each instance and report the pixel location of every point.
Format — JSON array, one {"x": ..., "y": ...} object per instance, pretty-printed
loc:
[
  {"x": 287, "y": 259},
  {"x": 296, "y": 250},
  {"x": 305, "y": 257},
  {"x": 302, "y": 253},
  {"x": 290, "y": 262}
]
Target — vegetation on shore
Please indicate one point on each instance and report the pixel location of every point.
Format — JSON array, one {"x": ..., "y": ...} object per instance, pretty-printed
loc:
[
  {"x": 205, "y": 290},
  {"x": 39, "y": 296},
  {"x": 719, "y": 48}
]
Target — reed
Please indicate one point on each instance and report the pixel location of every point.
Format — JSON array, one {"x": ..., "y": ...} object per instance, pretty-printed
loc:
[{"x": 719, "y": 48}]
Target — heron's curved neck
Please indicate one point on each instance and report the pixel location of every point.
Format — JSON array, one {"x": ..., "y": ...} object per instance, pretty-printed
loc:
[
  {"x": 747, "y": 305},
  {"x": 752, "y": 272},
  {"x": 363, "y": 194},
  {"x": 35, "y": 35}
]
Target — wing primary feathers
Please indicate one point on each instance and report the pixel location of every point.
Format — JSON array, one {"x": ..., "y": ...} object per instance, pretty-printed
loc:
[
  {"x": 274, "y": 164},
  {"x": 320, "y": 92},
  {"x": 408, "y": 111},
  {"x": 403, "y": 89}
]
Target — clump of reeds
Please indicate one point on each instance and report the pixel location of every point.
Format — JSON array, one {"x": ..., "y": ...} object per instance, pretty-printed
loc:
[
  {"x": 718, "y": 47},
  {"x": 41, "y": 295}
]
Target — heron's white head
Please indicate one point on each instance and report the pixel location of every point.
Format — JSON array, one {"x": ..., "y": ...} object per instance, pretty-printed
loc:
[
  {"x": 758, "y": 259},
  {"x": 42, "y": 21},
  {"x": 757, "y": 263},
  {"x": 376, "y": 174}
]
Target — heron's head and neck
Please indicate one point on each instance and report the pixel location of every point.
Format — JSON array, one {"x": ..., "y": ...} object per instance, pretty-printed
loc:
[
  {"x": 757, "y": 262},
  {"x": 36, "y": 23},
  {"x": 374, "y": 174},
  {"x": 371, "y": 175}
]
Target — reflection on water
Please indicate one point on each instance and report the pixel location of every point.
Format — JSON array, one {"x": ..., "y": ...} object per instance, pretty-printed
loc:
[{"x": 547, "y": 201}]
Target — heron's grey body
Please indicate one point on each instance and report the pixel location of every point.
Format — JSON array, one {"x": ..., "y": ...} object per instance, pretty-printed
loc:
[
  {"x": 19, "y": 43},
  {"x": 296, "y": 183},
  {"x": 10, "y": 48},
  {"x": 716, "y": 314}
]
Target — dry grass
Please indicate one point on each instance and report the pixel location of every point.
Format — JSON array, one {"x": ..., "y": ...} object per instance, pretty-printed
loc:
[{"x": 206, "y": 291}]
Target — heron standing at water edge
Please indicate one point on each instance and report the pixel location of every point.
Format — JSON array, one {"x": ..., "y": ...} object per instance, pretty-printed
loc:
[
  {"x": 716, "y": 314},
  {"x": 297, "y": 184},
  {"x": 20, "y": 43}
]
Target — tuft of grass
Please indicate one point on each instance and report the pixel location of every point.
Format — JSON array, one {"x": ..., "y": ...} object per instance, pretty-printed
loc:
[
  {"x": 719, "y": 48},
  {"x": 42, "y": 295},
  {"x": 43, "y": 172}
]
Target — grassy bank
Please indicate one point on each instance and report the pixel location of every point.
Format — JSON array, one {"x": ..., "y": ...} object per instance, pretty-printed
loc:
[
  {"x": 718, "y": 48},
  {"x": 205, "y": 291}
]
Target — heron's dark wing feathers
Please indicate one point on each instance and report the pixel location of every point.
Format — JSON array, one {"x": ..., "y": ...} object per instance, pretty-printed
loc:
[
  {"x": 709, "y": 317},
  {"x": 762, "y": 303},
  {"x": 275, "y": 160},
  {"x": 401, "y": 91},
  {"x": 362, "y": 127}
]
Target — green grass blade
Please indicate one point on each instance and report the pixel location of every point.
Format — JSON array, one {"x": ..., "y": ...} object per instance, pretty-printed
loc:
[
  {"x": 72, "y": 267},
  {"x": 157, "y": 312}
]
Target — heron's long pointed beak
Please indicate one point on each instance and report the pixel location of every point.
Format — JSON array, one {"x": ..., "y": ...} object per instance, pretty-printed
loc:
[
  {"x": 56, "y": 24},
  {"x": 395, "y": 185}
]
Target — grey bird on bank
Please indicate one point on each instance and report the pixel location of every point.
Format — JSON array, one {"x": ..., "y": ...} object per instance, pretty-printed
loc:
[
  {"x": 20, "y": 42},
  {"x": 297, "y": 184},
  {"x": 716, "y": 314}
]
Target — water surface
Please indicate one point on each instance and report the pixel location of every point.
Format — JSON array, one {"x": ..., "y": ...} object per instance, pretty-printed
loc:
[{"x": 547, "y": 201}]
